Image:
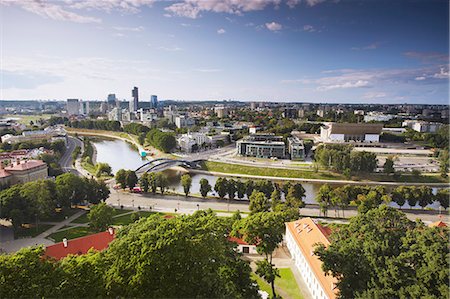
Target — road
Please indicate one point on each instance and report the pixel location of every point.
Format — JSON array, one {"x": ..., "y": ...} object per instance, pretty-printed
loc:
[
  {"x": 188, "y": 205},
  {"x": 66, "y": 159}
]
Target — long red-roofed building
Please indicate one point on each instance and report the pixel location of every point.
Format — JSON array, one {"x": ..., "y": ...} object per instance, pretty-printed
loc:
[{"x": 99, "y": 241}]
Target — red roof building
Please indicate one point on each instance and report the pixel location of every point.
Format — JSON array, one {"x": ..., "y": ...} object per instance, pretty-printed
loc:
[{"x": 81, "y": 245}]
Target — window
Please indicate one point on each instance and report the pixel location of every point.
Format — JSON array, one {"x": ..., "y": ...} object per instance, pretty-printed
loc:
[{"x": 245, "y": 249}]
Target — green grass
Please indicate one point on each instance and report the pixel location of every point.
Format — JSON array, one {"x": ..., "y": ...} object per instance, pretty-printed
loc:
[
  {"x": 25, "y": 119},
  {"x": 84, "y": 218},
  {"x": 265, "y": 171},
  {"x": 32, "y": 231},
  {"x": 126, "y": 219},
  {"x": 286, "y": 282},
  {"x": 89, "y": 167},
  {"x": 72, "y": 233},
  {"x": 60, "y": 216}
]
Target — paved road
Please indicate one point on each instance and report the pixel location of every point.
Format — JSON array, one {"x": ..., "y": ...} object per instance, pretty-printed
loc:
[
  {"x": 168, "y": 203},
  {"x": 66, "y": 159}
]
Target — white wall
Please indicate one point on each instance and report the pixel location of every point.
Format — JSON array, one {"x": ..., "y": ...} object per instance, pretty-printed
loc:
[
  {"x": 372, "y": 138},
  {"x": 337, "y": 137}
]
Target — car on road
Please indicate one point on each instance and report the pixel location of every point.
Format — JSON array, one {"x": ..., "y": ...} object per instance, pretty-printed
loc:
[{"x": 136, "y": 190}]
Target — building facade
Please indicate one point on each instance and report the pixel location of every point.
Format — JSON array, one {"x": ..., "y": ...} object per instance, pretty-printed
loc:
[
  {"x": 48, "y": 134},
  {"x": 301, "y": 238},
  {"x": 296, "y": 148},
  {"x": 262, "y": 146},
  {"x": 134, "y": 103},
  {"x": 22, "y": 171},
  {"x": 345, "y": 132},
  {"x": 73, "y": 107}
]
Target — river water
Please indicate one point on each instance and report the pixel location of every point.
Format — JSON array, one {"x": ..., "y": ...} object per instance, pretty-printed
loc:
[{"x": 121, "y": 155}]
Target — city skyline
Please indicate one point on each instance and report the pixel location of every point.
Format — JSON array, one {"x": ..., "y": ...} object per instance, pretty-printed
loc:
[{"x": 266, "y": 50}]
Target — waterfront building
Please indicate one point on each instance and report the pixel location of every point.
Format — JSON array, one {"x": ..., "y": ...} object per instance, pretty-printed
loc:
[
  {"x": 22, "y": 171},
  {"x": 296, "y": 148},
  {"x": 345, "y": 132},
  {"x": 261, "y": 146},
  {"x": 302, "y": 237},
  {"x": 115, "y": 114}
]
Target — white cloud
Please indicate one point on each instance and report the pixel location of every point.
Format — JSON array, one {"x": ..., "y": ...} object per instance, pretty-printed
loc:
[
  {"x": 309, "y": 28},
  {"x": 374, "y": 95},
  {"x": 50, "y": 10},
  {"x": 194, "y": 8},
  {"x": 443, "y": 74},
  {"x": 129, "y": 6},
  {"x": 221, "y": 31},
  {"x": 273, "y": 26},
  {"x": 314, "y": 2},
  {"x": 132, "y": 29},
  {"x": 371, "y": 46},
  {"x": 344, "y": 85},
  {"x": 420, "y": 78},
  {"x": 292, "y": 3},
  {"x": 170, "y": 49}
]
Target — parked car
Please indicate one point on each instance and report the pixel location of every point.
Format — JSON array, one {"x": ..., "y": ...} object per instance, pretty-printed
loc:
[{"x": 136, "y": 190}]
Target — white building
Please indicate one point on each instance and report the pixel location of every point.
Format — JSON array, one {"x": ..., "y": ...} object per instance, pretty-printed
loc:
[
  {"x": 242, "y": 246},
  {"x": 377, "y": 116},
  {"x": 84, "y": 108},
  {"x": 73, "y": 107},
  {"x": 221, "y": 111},
  {"x": 187, "y": 141},
  {"x": 48, "y": 134},
  {"x": 182, "y": 121},
  {"x": 345, "y": 132},
  {"x": 147, "y": 115},
  {"x": 302, "y": 237},
  {"x": 422, "y": 126},
  {"x": 115, "y": 114}
]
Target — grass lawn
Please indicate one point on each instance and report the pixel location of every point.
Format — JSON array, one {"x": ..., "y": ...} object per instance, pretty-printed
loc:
[
  {"x": 32, "y": 231},
  {"x": 126, "y": 219},
  {"x": 265, "y": 171},
  {"x": 72, "y": 233},
  {"x": 84, "y": 219},
  {"x": 286, "y": 283},
  {"x": 60, "y": 216},
  {"x": 25, "y": 119}
]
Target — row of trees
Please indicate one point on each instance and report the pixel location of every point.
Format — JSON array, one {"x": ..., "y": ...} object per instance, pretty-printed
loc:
[
  {"x": 343, "y": 159},
  {"x": 108, "y": 125},
  {"x": 27, "y": 203},
  {"x": 181, "y": 257},
  {"x": 148, "y": 181},
  {"x": 366, "y": 197},
  {"x": 161, "y": 140}
]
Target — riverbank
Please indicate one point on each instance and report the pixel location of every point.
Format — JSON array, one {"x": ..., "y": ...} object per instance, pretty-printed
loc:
[{"x": 240, "y": 171}]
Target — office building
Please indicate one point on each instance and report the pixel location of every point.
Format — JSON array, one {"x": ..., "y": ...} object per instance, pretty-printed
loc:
[
  {"x": 296, "y": 148},
  {"x": 84, "y": 108},
  {"x": 261, "y": 146},
  {"x": 112, "y": 99},
  {"x": 345, "y": 132},
  {"x": 182, "y": 121},
  {"x": 422, "y": 126},
  {"x": 290, "y": 113},
  {"x": 302, "y": 237},
  {"x": 221, "y": 111},
  {"x": 73, "y": 107},
  {"x": 134, "y": 103},
  {"x": 154, "y": 102},
  {"x": 147, "y": 115},
  {"x": 115, "y": 114}
]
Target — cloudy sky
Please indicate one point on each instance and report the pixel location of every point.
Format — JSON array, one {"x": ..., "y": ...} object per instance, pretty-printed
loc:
[{"x": 353, "y": 51}]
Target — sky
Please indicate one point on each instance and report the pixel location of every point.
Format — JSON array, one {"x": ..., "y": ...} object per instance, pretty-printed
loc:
[{"x": 328, "y": 51}]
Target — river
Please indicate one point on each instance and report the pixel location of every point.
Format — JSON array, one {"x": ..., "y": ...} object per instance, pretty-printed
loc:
[{"x": 121, "y": 155}]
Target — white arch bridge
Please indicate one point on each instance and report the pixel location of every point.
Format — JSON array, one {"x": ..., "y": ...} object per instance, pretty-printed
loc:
[{"x": 161, "y": 164}]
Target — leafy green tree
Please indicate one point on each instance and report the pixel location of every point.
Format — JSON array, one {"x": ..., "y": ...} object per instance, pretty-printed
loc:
[
  {"x": 231, "y": 188},
  {"x": 381, "y": 254},
  {"x": 70, "y": 189},
  {"x": 259, "y": 203},
  {"x": 186, "y": 182},
  {"x": 97, "y": 191},
  {"x": 131, "y": 179},
  {"x": 240, "y": 188},
  {"x": 221, "y": 187},
  {"x": 264, "y": 186},
  {"x": 425, "y": 195},
  {"x": 102, "y": 169},
  {"x": 121, "y": 178},
  {"x": 275, "y": 200},
  {"x": 388, "y": 166},
  {"x": 153, "y": 182},
  {"x": 41, "y": 195},
  {"x": 444, "y": 162},
  {"x": 370, "y": 201},
  {"x": 293, "y": 198},
  {"x": 182, "y": 264},
  {"x": 324, "y": 198},
  {"x": 443, "y": 197},
  {"x": 144, "y": 182},
  {"x": 249, "y": 187},
  {"x": 400, "y": 195},
  {"x": 162, "y": 182},
  {"x": 100, "y": 217},
  {"x": 268, "y": 272},
  {"x": 205, "y": 187}
]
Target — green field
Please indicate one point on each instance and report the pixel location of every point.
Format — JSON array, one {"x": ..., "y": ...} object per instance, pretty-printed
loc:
[
  {"x": 32, "y": 231},
  {"x": 265, "y": 171},
  {"x": 72, "y": 233},
  {"x": 286, "y": 283},
  {"x": 84, "y": 219},
  {"x": 25, "y": 119},
  {"x": 60, "y": 216}
]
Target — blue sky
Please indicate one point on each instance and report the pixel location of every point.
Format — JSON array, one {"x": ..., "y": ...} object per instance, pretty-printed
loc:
[{"x": 256, "y": 50}]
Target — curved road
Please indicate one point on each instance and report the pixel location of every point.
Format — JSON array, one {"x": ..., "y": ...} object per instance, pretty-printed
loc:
[{"x": 66, "y": 159}]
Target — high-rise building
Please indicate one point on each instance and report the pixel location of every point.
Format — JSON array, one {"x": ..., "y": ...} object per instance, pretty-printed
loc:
[
  {"x": 154, "y": 101},
  {"x": 112, "y": 99},
  {"x": 84, "y": 108},
  {"x": 134, "y": 103},
  {"x": 73, "y": 107}
]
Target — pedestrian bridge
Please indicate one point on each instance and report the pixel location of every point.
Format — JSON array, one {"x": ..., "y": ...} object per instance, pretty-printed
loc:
[{"x": 161, "y": 164}]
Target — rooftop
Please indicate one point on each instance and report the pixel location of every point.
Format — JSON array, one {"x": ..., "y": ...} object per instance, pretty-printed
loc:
[
  {"x": 354, "y": 128},
  {"x": 25, "y": 165}
]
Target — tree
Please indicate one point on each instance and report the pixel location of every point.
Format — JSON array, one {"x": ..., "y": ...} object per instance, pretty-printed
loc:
[
  {"x": 231, "y": 188},
  {"x": 388, "y": 166},
  {"x": 425, "y": 195},
  {"x": 162, "y": 182},
  {"x": 144, "y": 182},
  {"x": 275, "y": 200},
  {"x": 102, "y": 169},
  {"x": 221, "y": 187},
  {"x": 294, "y": 197},
  {"x": 205, "y": 187},
  {"x": 324, "y": 198},
  {"x": 121, "y": 178},
  {"x": 100, "y": 217},
  {"x": 444, "y": 162},
  {"x": 249, "y": 187},
  {"x": 264, "y": 186},
  {"x": 186, "y": 182},
  {"x": 70, "y": 190},
  {"x": 268, "y": 272},
  {"x": 131, "y": 179},
  {"x": 41, "y": 195},
  {"x": 96, "y": 191},
  {"x": 443, "y": 197},
  {"x": 153, "y": 182},
  {"x": 240, "y": 188},
  {"x": 381, "y": 254},
  {"x": 400, "y": 195},
  {"x": 258, "y": 203}
]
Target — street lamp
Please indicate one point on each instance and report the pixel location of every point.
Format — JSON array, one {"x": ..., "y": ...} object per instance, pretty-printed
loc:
[{"x": 198, "y": 207}]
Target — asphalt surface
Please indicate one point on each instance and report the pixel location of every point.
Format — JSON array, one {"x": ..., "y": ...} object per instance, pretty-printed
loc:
[{"x": 66, "y": 159}]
